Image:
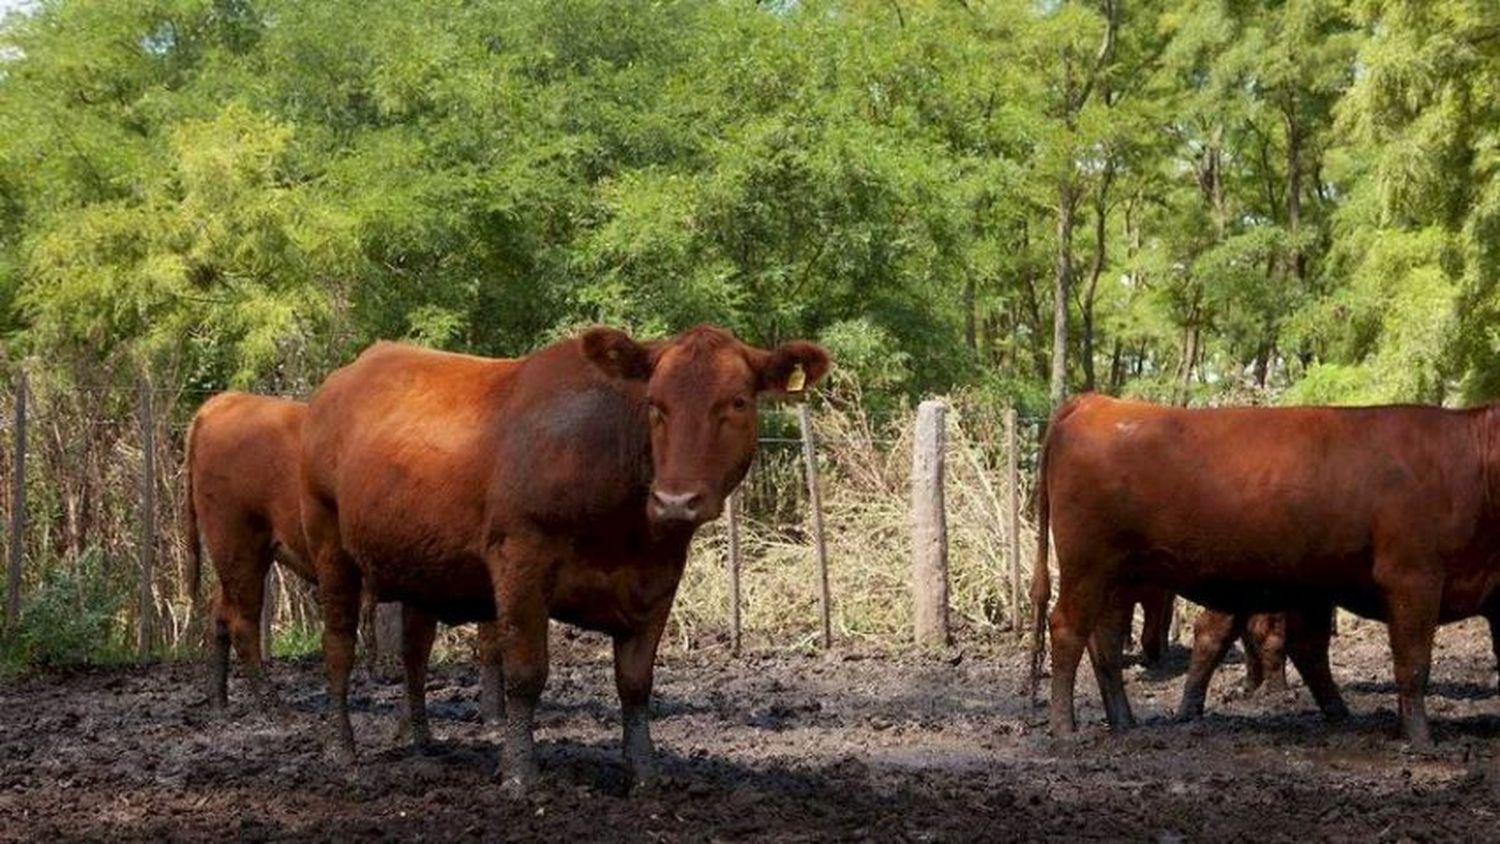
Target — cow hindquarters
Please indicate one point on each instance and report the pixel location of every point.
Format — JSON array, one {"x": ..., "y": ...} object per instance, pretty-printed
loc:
[{"x": 635, "y": 658}]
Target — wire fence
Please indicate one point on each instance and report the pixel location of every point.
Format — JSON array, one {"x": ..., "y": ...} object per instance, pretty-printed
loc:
[{"x": 93, "y": 489}]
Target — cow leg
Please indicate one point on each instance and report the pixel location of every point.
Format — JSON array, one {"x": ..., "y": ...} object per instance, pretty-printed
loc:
[
  {"x": 1266, "y": 633},
  {"x": 1494, "y": 620},
  {"x": 491, "y": 675},
  {"x": 1213, "y": 633},
  {"x": 218, "y": 659},
  {"x": 418, "y": 629},
  {"x": 518, "y": 573},
  {"x": 1079, "y": 603},
  {"x": 367, "y": 638},
  {"x": 635, "y": 659},
  {"x": 339, "y": 591},
  {"x": 1412, "y": 610},
  {"x": 1156, "y": 627},
  {"x": 242, "y": 592},
  {"x": 1107, "y": 655},
  {"x": 1307, "y": 635},
  {"x": 339, "y": 594}
]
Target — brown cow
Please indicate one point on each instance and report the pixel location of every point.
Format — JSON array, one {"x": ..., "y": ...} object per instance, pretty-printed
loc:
[
  {"x": 1264, "y": 636},
  {"x": 243, "y": 501},
  {"x": 1388, "y": 511},
  {"x": 566, "y": 484}
]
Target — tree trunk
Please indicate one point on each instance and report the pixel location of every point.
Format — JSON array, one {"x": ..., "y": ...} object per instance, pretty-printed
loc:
[
  {"x": 971, "y": 338},
  {"x": 1298, "y": 262},
  {"x": 1096, "y": 269},
  {"x": 1189, "y": 361},
  {"x": 1116, "y": 369},
  {"x": 1062, "y": 286}
]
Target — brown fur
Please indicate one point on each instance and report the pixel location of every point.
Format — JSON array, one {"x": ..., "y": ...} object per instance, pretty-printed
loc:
[
  {"x": 241, "y": 491},
  {"x": 563, "y": 485},
  {"x": 1390, "y": 512},
  {"x": 243, "y": 499}
]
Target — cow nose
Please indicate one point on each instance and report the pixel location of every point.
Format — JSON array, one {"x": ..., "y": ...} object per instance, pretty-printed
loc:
[{"x": 676, "y": 506}]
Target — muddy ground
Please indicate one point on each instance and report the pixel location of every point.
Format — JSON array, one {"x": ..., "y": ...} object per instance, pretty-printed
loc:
[{"x": 765, "y": 747}]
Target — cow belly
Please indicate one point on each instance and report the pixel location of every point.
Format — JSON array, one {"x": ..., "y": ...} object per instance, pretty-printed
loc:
[
  {"x": 456, "y": 590},
  {"x": 1238, "y": 576},
  {"x": 615, "y": 599}
]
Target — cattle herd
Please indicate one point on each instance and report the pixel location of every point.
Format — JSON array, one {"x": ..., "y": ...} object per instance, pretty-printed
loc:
[{"x": 569, "y": 483}]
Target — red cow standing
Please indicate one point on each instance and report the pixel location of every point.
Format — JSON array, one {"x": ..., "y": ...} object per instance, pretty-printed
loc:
[
  {"x": 566, "y": 484},
  {"x": 1389, "y": 511}
]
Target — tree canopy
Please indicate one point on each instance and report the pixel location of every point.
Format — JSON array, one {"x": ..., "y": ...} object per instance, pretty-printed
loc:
[{"x": 1187, "y": 200}]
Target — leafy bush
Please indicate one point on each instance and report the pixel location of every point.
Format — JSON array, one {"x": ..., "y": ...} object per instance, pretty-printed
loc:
[{"x": 72, "y": 617}]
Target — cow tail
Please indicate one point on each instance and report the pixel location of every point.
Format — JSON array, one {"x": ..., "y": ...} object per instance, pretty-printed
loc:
[
  {"x": 189, "y": 524},
  {"x": 1041, "y": 579}
]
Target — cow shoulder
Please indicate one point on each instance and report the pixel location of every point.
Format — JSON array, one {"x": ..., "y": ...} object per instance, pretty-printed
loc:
[{"x": 573, "y": 444}]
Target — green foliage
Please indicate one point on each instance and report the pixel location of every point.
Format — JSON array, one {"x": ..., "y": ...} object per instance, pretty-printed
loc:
[
  {"x": 247, "y": 192},
  {"x": 70, "y": 618}
]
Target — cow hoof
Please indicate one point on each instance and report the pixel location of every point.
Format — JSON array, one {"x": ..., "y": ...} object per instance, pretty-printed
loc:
[
  {"x": 1187, "y": 716},
  {"x": 1419, "y": 750},
  {"x": 645, "y": 782},
  {"x": 340, "y": 755},
  {"x": 518, "y": 787},
  {"x": 1336, "y": 714}
]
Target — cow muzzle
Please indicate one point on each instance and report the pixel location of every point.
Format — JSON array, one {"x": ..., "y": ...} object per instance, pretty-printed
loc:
[{"x": 690, "y": 507}]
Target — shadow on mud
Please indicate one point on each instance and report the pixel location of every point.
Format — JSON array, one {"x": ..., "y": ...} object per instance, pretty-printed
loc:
[{"x": 1440, "y": 688}]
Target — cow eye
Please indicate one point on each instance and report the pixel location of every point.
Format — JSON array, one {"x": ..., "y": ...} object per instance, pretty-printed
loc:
[{"x": 740, "y": 403}]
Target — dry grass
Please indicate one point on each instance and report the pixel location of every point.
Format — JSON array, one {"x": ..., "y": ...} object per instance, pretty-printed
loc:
[{"x": 865, "y": 471}]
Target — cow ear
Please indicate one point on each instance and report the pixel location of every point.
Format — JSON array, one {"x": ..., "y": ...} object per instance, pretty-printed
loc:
[
  {"x": 617, "y": 355},
  {"x": 792, "y": 367}
]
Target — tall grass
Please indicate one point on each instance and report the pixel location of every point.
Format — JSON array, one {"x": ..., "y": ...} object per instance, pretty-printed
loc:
[
  {"x": 865, "y": 469},
  {"x": 84, "y": 531}
]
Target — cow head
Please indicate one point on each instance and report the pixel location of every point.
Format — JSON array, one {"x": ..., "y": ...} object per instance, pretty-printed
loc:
[{"x": 701, "y": 388}]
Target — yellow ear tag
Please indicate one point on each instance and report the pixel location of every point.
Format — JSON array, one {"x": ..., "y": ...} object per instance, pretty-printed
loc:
[{"x": 797, "y": 380}]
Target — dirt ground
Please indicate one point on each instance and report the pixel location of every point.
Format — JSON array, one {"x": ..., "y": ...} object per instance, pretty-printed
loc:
[{"x": 765, "y": 747}]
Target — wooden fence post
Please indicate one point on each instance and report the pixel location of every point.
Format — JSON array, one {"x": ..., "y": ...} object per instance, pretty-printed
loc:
[
  {"x": 929, "y": 530},
  {"x": 146, "y": 603},
  {"x": 733, "y": 506},
  {"x": 17, "y": 512},
  {"x": 268, "y": 612},
  {"x": 1013, "y": 532},
  {"x": 815, "y": 498}
]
